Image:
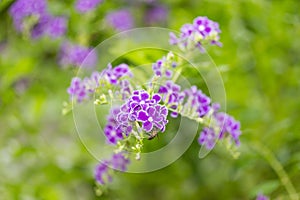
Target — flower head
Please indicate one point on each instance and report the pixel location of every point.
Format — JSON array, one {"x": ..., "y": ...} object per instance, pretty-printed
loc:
[
  {"x": 102, "y": 175},
  {"x": 77, "y": 90},
  {"x": 207, "y": 137}
]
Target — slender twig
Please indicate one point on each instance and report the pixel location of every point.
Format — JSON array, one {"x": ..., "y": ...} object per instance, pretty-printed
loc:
[{"x": 277, "y": 167}]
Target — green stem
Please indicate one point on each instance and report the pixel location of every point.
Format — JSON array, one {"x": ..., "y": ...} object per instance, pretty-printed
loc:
[{"x": 278, "y": 168}]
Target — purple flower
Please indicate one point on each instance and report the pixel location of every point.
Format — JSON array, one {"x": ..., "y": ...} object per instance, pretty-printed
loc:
[
  {"x": 114, "y": 74},
  {"x": 71, "y": 54},
  {"x": 228, "y": 125},
  {"x": 162, "y": 66},
  {"x": 153, "y": 117},
  {"x": 262, "y": 197},
  {"x": 172, "y": 96},
  {"x": 202, "y": 31},
  {"x": 84, "y": 6},
  {"x": 102, "y": 175},
  {"x": 25, "y": 8},
  {"x": 156, "y": 14},
  {"x": 208, "y": 138},
  {"x": 121, "y": 20},
  {"x": 112, "y": 130},
  {"x": 77, "y": 90},
  {"x": 119, "y": 162},
  {"x": 197, "y": 101}
]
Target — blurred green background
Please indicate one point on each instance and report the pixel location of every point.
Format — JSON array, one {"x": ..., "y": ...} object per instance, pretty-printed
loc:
[{"x": 41, "y": 156}]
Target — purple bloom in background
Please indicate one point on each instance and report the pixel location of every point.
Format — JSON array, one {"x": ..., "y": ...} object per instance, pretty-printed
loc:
[
  {"x": 25, "y": 8},
  {"x": 119, "y": 162},
  {"x": 84, "y": 6},
  {"x": 71, "y": 54},
  {"x": 102, "y": 175},
  {"x": 33, "y": 14},
  {"x": 262, "y": 197},
  {"x": 156, "y": 14},
  {"x": 120, "y": 20},
  {"x": 208, "y": 138},
  {"x": 77, "y": 90},
  {"x": 57, "y": 27}
]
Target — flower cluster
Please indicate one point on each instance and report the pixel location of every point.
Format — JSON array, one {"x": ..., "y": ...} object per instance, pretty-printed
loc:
[
  {"x": 103, "y": 171},
  {"x": 143, "y": 113},
  {"x": 140, "y": 108},
  {"x": 32, "y": 16},
  {"x": 81, "y": 89},
  {"x": 172, "y": 96},
  {"x": 163, "y": 67},
  {"x": 202, "y": 31},
  {"x": 84, "y": 6},
  {"x": 224, "y": 125}
]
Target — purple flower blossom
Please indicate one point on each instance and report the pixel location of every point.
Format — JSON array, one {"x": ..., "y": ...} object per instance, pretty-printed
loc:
[
  {"x": 197, "y": 101},
  {"x": 77, "y": 90},
  {"x": 208, "y": 138},
  {"x": 84, "y": 6},
  {"x": 156, "y": 14},
  {"x": 228, "y": 125},
  {"x": 112, "y": 130},
  {"x": 172, "y": 96},
  {"x": 102, "y": 175},
  {"x": 262, "y": 197},
  {"x": 71, "y": 54},
  {"x": 202, "y": 31},
  {"x": 103, "y": 171},
  {"x": 153, "y": 117},
  {"x": 114, "y": 74},
  {"x": 162, "y": 66},
  {"x": 120, "y": 20},
  {"x": 119, "y": 162}
]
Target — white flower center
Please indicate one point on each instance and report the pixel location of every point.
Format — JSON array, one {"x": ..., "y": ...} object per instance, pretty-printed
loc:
[
  {"x": 113, "y": 133},
  {"x": 142, "y": 102},
  {"x": 201, "y": 28},
  {"x": 150, "y": 119}
]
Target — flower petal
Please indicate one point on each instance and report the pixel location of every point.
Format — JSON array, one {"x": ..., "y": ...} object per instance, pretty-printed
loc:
[
  {"x": 147, "y": 126},
  {"x": 142, "y": 116}
]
